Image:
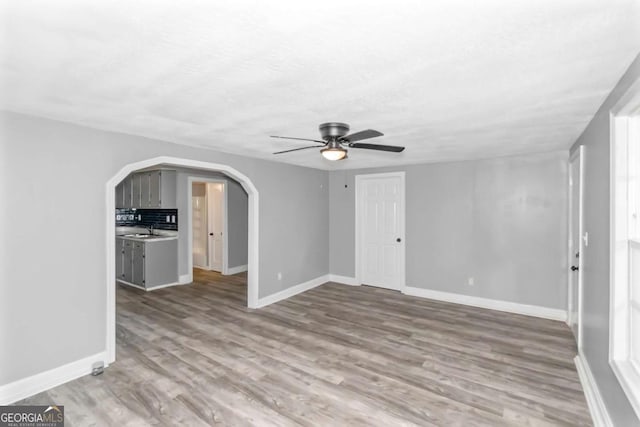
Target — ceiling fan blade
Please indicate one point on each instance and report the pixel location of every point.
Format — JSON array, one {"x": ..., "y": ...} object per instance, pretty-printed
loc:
[
  {"x": 299, "y": 139},
  {"x": 392, "y": 148},
  {"x": 296, "y": 149},
  {"x": 363, "y": 134}
]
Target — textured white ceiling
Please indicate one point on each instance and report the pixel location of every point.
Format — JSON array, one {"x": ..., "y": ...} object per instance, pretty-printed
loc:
[{"x": 448, "y": 79}]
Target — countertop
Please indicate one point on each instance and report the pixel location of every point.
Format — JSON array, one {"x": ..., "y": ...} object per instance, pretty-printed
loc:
[{"x": 155, "y": 238}]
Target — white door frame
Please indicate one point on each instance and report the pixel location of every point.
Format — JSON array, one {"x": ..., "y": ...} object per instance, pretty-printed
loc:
[
  {"x": 358, "y": 226},
  {"x": 579, "y": 155},
  {"x": 624, "y": 129},
  {"x": 110, "y": 203},
  {"x": 225, "y": 211}
]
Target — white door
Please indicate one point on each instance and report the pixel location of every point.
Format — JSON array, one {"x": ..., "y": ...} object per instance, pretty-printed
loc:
[
  {"x": 215, "y": 193},
  {"x": 199, "y": 225},
  {"x": 575, "y": 245},
  {"x": 380, "y": 222}
]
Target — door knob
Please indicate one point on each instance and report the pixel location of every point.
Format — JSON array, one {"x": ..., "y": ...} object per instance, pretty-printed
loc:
[
  {"x": 210, "y": 234},
  {"x": 574, "y": 268},
  {"x": 398, "y": 240}
]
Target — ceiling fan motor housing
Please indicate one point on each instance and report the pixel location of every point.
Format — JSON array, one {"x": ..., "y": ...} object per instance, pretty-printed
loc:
[{"x": 333, "y": 130}]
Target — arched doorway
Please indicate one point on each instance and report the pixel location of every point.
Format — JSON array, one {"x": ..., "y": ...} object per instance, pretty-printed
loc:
[{"x": 253, "y": 214}]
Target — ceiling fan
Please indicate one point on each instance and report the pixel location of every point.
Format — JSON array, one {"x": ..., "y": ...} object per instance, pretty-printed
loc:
[{"x": 335, "y": 139}]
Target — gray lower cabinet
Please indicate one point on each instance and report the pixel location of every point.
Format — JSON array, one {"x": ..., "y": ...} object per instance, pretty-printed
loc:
[
  {"x": 137, "y": 277},
  {"x": 120, "y": 259},
  {"x": 127, "y": 257},
  {"x": 147, "y": 264}
]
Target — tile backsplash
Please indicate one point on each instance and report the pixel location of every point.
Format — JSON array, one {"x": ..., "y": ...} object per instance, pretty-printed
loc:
[{"x": 161, "y": 219}]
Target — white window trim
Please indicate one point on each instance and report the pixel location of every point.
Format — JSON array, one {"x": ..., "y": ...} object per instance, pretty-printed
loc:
[{"x": 625, "y": 113}]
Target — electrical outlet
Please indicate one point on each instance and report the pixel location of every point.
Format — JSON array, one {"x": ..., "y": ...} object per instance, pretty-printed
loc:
[{"x": 471, "y": 281}]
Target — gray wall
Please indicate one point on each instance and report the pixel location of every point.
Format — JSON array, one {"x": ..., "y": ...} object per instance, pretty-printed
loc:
[
  {"x": 502, "y": 221},
  {"x": 53, "y": 279},
  {"x": 238, "y": 219},
  {"x": 596, "y": 139}
]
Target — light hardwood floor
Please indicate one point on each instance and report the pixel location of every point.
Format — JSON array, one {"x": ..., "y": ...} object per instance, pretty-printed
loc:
[{"x": 333, "y": 356}]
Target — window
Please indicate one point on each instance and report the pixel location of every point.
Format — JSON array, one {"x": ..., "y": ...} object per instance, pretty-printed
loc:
[{"x": 625, "y": 244}]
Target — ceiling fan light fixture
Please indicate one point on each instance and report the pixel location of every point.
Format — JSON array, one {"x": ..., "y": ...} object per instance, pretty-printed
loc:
[
  {"x": 335, "y": 136},
  {"x": 334, "y": 153}
]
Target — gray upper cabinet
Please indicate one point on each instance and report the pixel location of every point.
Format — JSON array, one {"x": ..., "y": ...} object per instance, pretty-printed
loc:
[
  {"x": 150, "y": 189},
  {"x": 155, "y": 187},
  {"x": 169, "y": 190},
  {"x": 127, "y": 192},
  {"x": 124, "y": 193},
  {"x": 120, "y": 195},
  {"x": 136, "y": 190}
]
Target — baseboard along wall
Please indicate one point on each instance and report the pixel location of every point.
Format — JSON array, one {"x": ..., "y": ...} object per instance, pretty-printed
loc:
[
  {"x": 598, "y": 409},
  {"x": 21, "y": 389}
]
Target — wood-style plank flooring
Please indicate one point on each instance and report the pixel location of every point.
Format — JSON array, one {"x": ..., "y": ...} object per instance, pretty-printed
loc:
[{"x": 333, "y": 356}]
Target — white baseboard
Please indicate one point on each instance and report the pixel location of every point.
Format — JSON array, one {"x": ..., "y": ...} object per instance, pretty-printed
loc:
[
  {"x": 166, "y": 285},
  {"x": 510, "y": 307},
  {"x": 294, "y": 290},
  {"x": 26, "y": 387},
  {"x": 345, "y": 280},
  {"x": 133, "y": 285},
  {"x": 236, "y": 270},
  {"x": 599, "y": 413},
  {"x": 185, "y": 278}
]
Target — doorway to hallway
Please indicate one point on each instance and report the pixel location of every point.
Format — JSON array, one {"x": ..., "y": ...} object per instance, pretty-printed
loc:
[{"x": 209, "y": 225}]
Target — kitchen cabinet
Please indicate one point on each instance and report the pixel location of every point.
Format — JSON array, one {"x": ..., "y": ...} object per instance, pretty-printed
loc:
[
  {"x": 119, "y": 259},
  {"x": 137, "y": 264},
  {"x": 155, "y": 188},
  {"x": 127, "y": 193},
  {"x": 136, "y": 189},
  {"x": 120, "y": 195},
  {"x": 124, "y": 260},
  {"x": 148, "y": 190},
  {"x": 124, "y": 197},
  {"x": 147, "y": 264}
]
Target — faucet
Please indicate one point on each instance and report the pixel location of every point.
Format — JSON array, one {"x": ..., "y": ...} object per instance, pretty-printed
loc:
[{"x": 150, "y": 228}]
